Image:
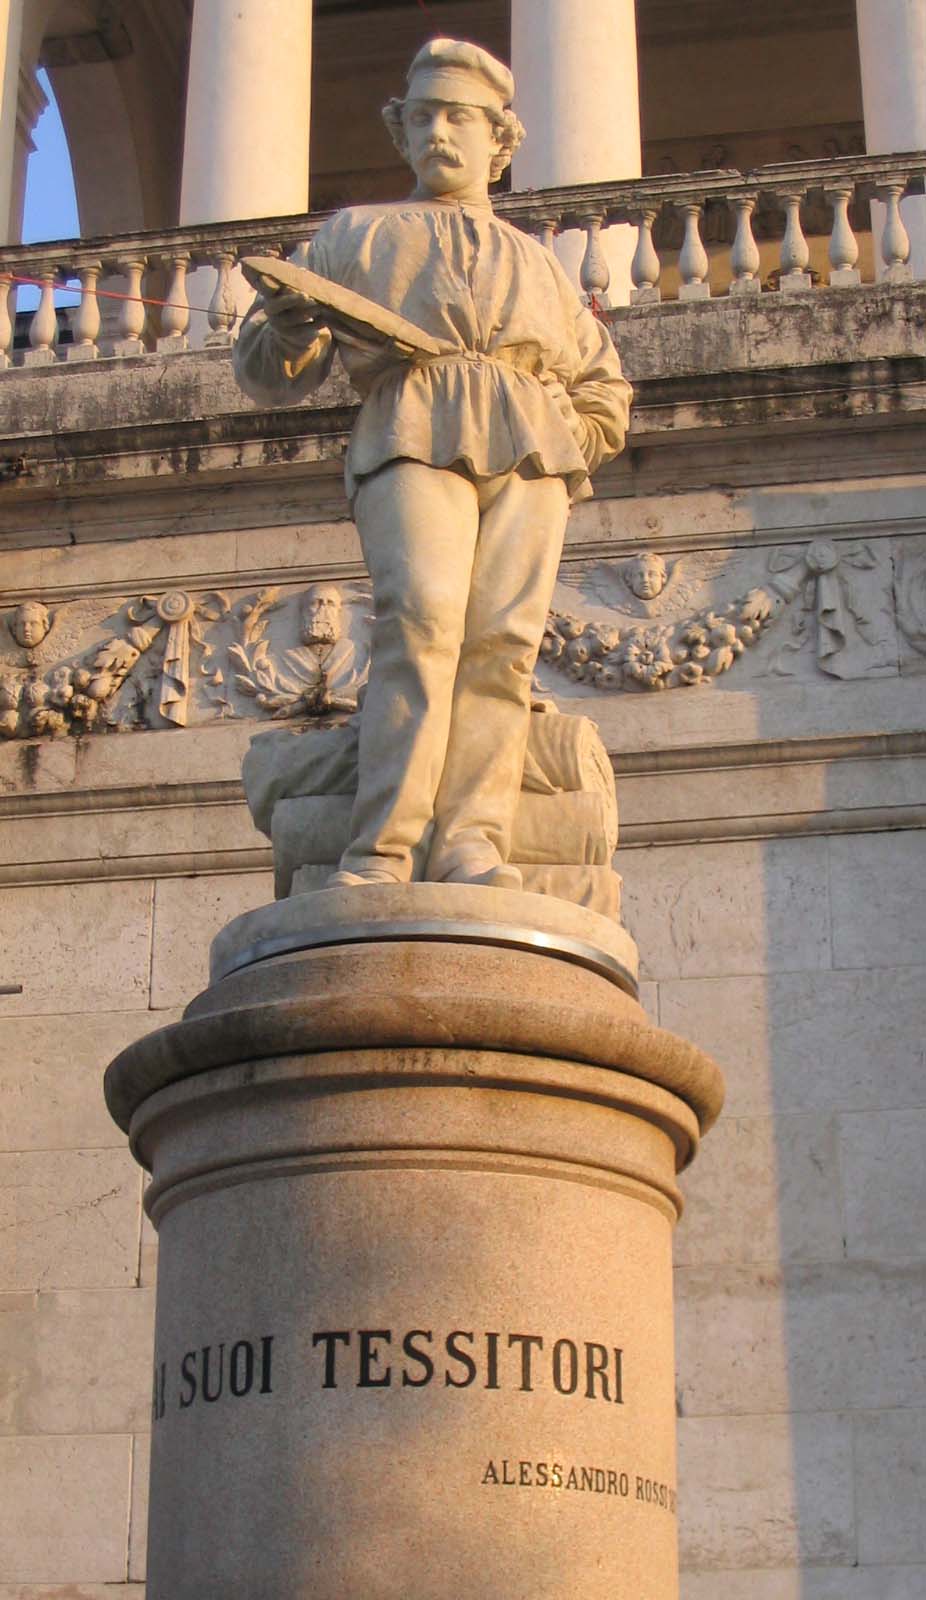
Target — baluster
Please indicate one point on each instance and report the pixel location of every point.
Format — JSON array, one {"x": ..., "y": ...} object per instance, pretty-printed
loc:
[
  {"x": 895, "y": 240},
  {"x": 744, "y": 257},
  {"x": 546, "y": 231},
  {"x": 222, "y": 306},
  {"x": 844, "y": 273},
  {"x": 175, "y": 316},
  {"x": 693, "y": 264},
  {"x": 43, "y": 329},
  {"x": 795, "y": 251},
  {"x": 6, "y": 323},
  {"x": 594, "y": 273},
  {"x": 132, "y": 313},
  {"x": 86, "y": 319},
  {"x": 645, "y": 266}
]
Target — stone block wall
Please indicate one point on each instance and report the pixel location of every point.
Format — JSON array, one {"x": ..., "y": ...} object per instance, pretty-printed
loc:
[
  {"x": 774, "y": 874},
  {"x": 101, "y": 963},
  {"x": 799, "y": 1283}
]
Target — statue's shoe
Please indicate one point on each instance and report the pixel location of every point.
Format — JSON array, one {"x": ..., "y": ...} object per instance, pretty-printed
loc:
[
  {"x": 342, "y": 879},
  {"x": 501, "y": 876}
]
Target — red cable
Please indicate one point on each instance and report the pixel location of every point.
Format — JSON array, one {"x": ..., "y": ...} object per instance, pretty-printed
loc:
[{"x": 110, "y": 294}]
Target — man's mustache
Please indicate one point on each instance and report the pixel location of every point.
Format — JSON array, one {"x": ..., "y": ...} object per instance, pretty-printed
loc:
[{"x": 445, "y": 154}]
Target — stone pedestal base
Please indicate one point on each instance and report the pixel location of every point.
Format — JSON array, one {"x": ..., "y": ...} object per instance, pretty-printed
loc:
[{"x": 414, "y": 1185}]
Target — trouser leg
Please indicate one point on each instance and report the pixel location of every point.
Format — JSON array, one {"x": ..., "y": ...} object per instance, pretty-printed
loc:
[
  {"x": 520, "y": 541},
  {"x": 418, "y": 527}
]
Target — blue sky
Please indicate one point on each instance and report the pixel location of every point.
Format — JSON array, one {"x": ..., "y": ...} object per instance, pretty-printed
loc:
[{"x": 51, "y": 203}]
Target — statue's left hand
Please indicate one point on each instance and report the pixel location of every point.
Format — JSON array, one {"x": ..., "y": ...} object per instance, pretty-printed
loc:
[
  {"x": 559, "y": 394},
  {"x": 295, "y": 320}
]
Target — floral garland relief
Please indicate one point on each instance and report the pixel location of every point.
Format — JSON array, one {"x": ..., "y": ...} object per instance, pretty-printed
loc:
[
  {"x": 660, "y": 642},
  {"x": 164, "y": 661},
  {"x": 689, "y": 655}
]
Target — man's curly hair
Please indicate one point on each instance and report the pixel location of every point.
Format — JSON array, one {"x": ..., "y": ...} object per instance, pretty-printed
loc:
[{"x": 509, "y": 130}]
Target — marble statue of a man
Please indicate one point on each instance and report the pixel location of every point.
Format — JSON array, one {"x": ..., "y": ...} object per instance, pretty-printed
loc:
[{"x": 460, "y": 471}]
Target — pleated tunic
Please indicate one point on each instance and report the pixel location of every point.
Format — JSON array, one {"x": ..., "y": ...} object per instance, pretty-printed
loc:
[{"x": 516, "y": 324}]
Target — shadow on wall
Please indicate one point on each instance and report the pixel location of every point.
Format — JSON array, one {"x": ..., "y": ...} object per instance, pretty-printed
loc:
[{"x": 797, "y": 962}]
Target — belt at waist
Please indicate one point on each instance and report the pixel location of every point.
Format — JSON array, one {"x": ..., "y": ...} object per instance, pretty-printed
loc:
[{"x": 477, "y": 357}]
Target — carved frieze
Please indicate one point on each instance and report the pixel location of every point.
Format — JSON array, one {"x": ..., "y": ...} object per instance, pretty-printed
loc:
[
  {"x": 320, "y": 675},
  {"x": 682, "y": 622},
  {"x": 178, "y": 658},
  {"x": 650, "y": 622},
  {"x": 910, "y": 597},
  {"x": 52, "y": 682},
  {"x": 656, "y": 636},
  {"x": 838, "y": 603}
]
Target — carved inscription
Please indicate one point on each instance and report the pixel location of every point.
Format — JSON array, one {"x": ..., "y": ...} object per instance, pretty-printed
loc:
[
  {"x": 383, "y": 1359},
  {"x": 503, "y": 1472},
  {"x": 231, "y": 1370},
  {"x": 228, "y": 1370},
  {"x": 380, "y": 1358}
]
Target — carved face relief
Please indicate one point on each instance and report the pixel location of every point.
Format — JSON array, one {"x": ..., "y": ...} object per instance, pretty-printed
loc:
[
  {"x": 30, "y": 624},
  {"x": 450, "y": 147},
  {"x": 320, "y": 614},
  {"x": 646, "y": 575}
]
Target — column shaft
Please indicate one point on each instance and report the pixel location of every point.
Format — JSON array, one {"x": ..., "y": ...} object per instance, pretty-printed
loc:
[
  {"x": 246, "y": 146},
  {"x": 892, "y": 56},
  {"x": 578, "y": 97},
  {"x": 414, "y": 1190},
  {"x": 11, "y": 13}
]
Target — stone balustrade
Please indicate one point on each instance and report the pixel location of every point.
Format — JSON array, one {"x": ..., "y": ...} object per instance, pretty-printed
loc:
[
  {"x": 676, "y": 214},
  {"x": 698, "y": 234}
]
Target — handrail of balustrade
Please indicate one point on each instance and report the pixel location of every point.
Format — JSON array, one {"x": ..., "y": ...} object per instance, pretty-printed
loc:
[{"x": 133, "y": 258}]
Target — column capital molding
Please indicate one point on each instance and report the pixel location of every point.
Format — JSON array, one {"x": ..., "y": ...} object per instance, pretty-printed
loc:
[{"x": 30, "y": 105}]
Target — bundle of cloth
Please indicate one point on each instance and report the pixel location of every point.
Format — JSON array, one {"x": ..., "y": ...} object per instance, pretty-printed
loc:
[{"x": 300, "y": 787}]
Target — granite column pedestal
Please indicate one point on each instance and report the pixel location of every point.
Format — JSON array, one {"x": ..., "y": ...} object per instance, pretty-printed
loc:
[{"x": 414, "y": 1156}]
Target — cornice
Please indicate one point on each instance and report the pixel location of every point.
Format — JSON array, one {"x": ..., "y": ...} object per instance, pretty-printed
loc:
[
  {"x": 628, "y": 764},
  {"x": 724, "y": 823},
  {"x": 139, "y": 474}
]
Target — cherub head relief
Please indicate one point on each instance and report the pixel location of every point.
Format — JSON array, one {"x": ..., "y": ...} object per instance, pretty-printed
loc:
[
  {"x": 646, "y": 575},
  {"x": 29, "y": 624},
  {"x": 320, "y": 614}
]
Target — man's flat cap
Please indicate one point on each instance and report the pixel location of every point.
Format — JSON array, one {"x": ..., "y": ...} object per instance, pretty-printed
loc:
[{"x": 465, "y": 74}]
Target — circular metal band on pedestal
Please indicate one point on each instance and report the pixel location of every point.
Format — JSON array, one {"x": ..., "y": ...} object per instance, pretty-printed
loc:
[{"x": 504, "y": 935}]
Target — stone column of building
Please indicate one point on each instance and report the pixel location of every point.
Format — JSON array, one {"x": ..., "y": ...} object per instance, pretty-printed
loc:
[
  {"x": 246, "y": 139},
  {"x": 31, "y": 102},
  {"x": 11, "y": 14},
  {"x": 892, "y": 55},
  {"x": 578, "y": 97}
]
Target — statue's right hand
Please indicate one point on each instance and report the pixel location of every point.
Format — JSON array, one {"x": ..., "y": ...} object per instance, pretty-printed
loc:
[{"x": 295, "y": 320}]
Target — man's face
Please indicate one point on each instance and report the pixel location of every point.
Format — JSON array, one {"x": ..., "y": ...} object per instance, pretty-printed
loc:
[
  {"x": 646, "y": 576},
  {"x": 450, "y": 147},
  {"x": 321, "y": 617},
  {"x": 29, "y": 625}
]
